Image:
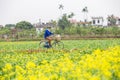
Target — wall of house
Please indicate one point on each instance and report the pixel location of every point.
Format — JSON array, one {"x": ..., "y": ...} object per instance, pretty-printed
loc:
[
  {"x": 98, "y": 22},
  {"x": 105, "y": 23},
  {"x": 118, "y": 22},
  {"x": 38, "y": 30}
]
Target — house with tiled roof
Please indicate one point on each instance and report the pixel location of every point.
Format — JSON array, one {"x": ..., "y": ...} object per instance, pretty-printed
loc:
[{"x": 73, "y": 21}]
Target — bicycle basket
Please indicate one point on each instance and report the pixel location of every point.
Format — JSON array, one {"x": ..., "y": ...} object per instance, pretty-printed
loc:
[{"x": 58, "y": 37}]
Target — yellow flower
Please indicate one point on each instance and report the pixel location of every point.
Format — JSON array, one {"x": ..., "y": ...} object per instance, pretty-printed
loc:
[
  {"x": 8, "y": 66},
  {"x": 107, "y": 73},
  {"x": 61, "y": 78},
  {"x": 44, "y": 62},
  {"x": 30, "y": 65},
  {"x": 32, "y": 77},
  {"x": 97, "y": 52},
  {"x": 54, "y": 77},
  {"x": 94, "y": 78},
  {"x": 20, "y": 70},
  {"x": 2, "y": 78},
  {"x": 4, "y": 70},
  {"x": 20, "y": 77}
]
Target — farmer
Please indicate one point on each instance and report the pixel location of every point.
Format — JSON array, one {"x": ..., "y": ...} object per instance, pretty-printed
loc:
[{"x": 47, "y": 35}]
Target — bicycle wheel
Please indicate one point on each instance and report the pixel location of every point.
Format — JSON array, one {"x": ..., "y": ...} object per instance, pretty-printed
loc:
[
  {"x": 43, "y": 44},
  {"x": 58, "y": 45}
]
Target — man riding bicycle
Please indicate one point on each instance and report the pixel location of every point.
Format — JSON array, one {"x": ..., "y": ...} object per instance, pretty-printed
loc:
[
  {"x": 47, "y": 35},
  {"x": 56, "y": 44}
]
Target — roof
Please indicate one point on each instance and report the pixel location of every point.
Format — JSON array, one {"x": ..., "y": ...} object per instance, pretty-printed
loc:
[
  {"x": 44, "y": 25},
  {"x": 1, "y": 26},
  {"x": 84, "y": 22},
  {"x": 117, "y": 17},
  {"x": 73, "y": 21},
  {"x": 97, "y": 17}
]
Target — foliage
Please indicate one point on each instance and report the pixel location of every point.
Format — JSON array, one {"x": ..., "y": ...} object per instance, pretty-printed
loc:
[
  {"x": 90, "y": 31},
  {"x": 53, "y": 22},
  {"x": 116, "y": 31},
  {"x": 22, "y": 61},
  {"x": 112, "y": 20},
  {"x": 5, "y": 31},
  {"x": 9, "y": 25},
  {"x": 24, "y": 25},
  {"x": 71, "y": 15},
  {"x": 73, "y": 30},
  {"x": 98, "y": 31},
  {"x": 64, "y": 22},
  {"x": 85, "y": 9},
  {"x": 28, "y": 33}
]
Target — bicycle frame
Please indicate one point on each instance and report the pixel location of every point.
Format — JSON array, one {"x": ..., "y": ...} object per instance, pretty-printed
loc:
[{"x": 55, "y": 44}]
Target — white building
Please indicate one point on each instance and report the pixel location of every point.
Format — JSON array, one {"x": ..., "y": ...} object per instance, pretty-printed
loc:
[
  {"x": 97, "y": 21},
  {"x": 40, "y": 27},
  {"x": 118, "y": 21},
  {"x": 1, "y": 26}
]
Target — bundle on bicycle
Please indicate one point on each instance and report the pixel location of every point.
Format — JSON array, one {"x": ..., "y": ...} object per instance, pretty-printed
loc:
[{"x": 56, "y": 43}]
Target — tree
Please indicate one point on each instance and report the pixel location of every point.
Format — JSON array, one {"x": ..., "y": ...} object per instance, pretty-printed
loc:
[
  {"x": 61, "y": 7},
  {"x": 24, "y": 25},
  {"x": 112, "y": 20},
  {"x": 85, "y": 11},
  {"x": 71, "y": 15},
  {"x": 9, "y": 25},
  {"x": 64, "y": 22},
  {"x": 53, "y": 22}
]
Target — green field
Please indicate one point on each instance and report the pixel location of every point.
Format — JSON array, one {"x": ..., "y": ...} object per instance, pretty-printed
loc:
[
  {"x": 69, "y": 44},
  {"x": 26, "y": 61}
]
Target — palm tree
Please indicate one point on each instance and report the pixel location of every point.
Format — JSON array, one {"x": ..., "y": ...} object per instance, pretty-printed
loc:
[
  {"x": 61, "y": 7},
  {"x": 85, "y": 11},
  {"x": 71, "y": 15}
]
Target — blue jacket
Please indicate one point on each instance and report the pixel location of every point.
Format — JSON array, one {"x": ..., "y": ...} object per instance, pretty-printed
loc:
[{"x": 47, "y": 33}]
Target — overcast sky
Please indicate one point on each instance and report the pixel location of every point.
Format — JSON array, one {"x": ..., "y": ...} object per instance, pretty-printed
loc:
[{"x": 13, "y": 11}]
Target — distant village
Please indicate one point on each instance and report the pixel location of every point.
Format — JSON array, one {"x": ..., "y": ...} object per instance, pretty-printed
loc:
[
  {"x": 95, "y": 21},
  {"x": 110, "y": 21}
]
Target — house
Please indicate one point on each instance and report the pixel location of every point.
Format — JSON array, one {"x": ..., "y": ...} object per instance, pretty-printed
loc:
[
  {"x": 73, "y": 21},
  {"x": 40, "y": 27},
  {"x": 84, "y": 23},
  {"x": 97, "y": 21},
  {"x": 1, "y": 26},
  {"x": 118, "y": 21},
  {"x": 109, "y": 21},
  {"x": 113, "y": 20}
]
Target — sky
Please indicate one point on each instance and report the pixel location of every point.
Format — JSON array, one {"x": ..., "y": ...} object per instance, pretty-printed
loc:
[{"x": 13, "y": 11}]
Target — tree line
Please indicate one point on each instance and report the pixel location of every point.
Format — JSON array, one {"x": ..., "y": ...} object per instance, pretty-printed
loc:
[{"x": 25, "y": 30}]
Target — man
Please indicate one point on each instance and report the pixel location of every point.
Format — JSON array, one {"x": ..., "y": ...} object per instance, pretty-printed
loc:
[{"x": 47, "y": 35}]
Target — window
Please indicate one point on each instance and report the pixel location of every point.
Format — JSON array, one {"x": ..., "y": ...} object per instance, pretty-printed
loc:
[
  {"x": 98, "y": 21},
  {"x": 108, "y": 19},
  {"x": 118, "y": 21},
  {"x": 93, "y": 21}
]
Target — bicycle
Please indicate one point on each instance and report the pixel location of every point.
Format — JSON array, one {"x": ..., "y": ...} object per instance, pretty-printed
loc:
[{"x": 56, "y": 43}]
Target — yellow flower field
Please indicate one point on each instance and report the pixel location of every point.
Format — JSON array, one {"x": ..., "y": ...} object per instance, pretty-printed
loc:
[{"x": 61, "y": 65}]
